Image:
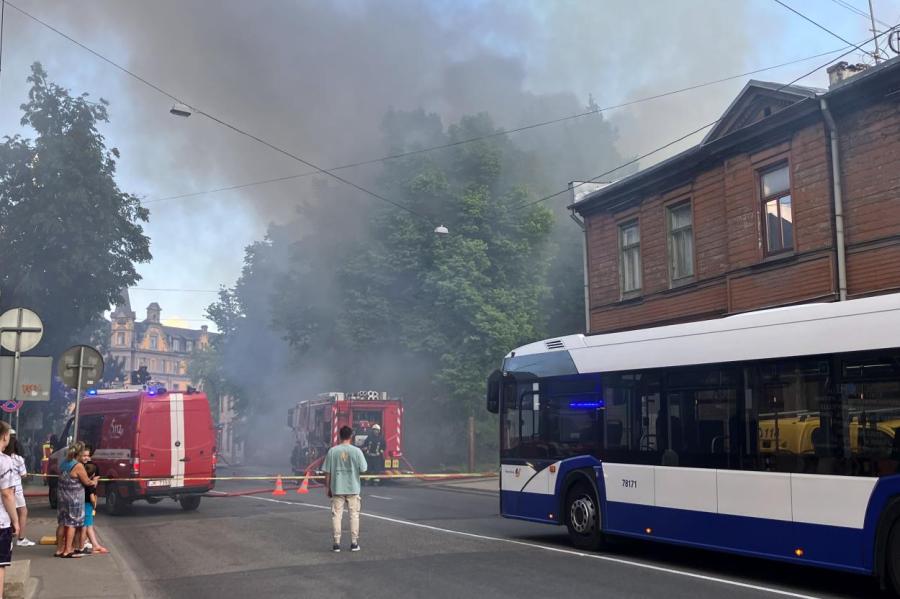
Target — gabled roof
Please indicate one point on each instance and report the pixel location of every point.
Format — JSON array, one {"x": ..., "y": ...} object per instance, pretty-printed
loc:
[
  {"x": 756, "y": 101},
  {"x": 744, "y": 124}
]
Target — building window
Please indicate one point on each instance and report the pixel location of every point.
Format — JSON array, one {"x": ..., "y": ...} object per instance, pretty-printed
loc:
[
  {"x": 630, "y": 256},
  {"x": 152, "y": 365},
  {"x": 120, "y": 338},
  {"x": 190, "y": 346},
  {"x": 777, "y": 208},
  {"x": 176, "y": 345},
  {"x": 681, "y": 241},
  {"x": 154, "y": 342}
]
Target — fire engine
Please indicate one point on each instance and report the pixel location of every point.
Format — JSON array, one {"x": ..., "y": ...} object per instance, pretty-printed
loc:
[{"x": 316, "y": 423}]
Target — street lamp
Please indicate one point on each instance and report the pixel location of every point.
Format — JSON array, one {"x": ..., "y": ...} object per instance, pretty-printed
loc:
[
  {"x": 441, "y": 230},
  {"x": 182, "y": 110}
]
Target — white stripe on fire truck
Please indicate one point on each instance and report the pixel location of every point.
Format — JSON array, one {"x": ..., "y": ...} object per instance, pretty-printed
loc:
[{"x": 176, "y": 434}]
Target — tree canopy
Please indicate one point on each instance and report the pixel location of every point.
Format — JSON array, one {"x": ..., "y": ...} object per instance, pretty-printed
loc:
[
  {"x": 69, "y": 236},
  {"x": 366, "y": 295}
]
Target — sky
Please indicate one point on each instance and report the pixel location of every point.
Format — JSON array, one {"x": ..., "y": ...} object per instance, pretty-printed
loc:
[{"x": 316, "y": 78}]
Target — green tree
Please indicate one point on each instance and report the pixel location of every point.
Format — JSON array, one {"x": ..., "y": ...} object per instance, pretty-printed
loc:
[
  {"x": 431, "y": 316},
  {"x": 207, "y": 367},
  {"x": 69, "y": 237}
]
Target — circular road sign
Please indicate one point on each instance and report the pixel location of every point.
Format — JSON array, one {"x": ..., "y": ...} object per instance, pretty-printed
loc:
[
  {"x": 92, "y": 364},
  {"x": 894, "y": 40},
  {"x": 19, "y": 318},
  {"x": 10, "y": 406}
]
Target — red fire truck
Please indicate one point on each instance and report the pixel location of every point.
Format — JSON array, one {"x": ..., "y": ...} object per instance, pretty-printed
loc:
[{"x": 316, "y": 423}]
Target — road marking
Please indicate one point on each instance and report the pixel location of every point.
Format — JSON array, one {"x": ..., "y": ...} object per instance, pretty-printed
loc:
[
  {"x": 378, "y": 497},
  {"x": 605, "y": 558}
]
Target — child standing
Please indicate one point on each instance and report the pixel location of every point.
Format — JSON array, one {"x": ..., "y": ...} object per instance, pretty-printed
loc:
[{"x": 91, "y": 544}]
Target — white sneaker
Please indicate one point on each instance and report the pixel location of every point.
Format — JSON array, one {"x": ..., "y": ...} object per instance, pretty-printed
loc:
[{"x": 25, "y": 543}]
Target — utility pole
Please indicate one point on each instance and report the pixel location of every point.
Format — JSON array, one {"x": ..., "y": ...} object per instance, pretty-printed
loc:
[
  {"x": 874, "y": 33},
  {"x": 471, "y": 444}
]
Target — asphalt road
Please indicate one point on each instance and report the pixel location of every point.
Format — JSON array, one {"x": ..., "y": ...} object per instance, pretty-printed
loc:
[{"x": 422, "y": 541}]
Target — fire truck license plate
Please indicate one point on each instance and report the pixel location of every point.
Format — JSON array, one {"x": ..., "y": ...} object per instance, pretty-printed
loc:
[{"x": 160, "y": 483}]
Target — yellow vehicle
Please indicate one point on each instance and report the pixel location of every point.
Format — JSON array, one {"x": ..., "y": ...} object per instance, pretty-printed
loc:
[{"x": 796, "y": 434}]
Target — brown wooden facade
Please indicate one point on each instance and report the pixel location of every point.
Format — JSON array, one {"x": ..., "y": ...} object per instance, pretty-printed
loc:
[{"x": 743, "y": 249}]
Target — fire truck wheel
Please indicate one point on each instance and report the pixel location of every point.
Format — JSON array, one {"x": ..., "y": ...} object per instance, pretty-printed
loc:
[
  {"x": 189, "y": 503},
  {"x": 115, "y": 504},
  {"x": 52, "y": 495}
]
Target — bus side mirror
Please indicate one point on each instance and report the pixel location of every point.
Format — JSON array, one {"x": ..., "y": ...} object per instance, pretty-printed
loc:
[{"x": 493, "y": 392}]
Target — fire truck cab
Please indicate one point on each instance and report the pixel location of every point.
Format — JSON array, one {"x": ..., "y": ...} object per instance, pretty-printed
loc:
[{"x": 316, "y": 422}]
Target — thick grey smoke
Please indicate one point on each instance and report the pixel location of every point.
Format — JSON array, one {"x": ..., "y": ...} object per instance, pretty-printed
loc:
[{"x": 318, "y": 77}]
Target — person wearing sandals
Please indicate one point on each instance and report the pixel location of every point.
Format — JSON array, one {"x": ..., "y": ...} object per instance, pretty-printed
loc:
[
  {"x": 70, "y": 500},
  {"x": 14, "y": 451},
  {"x": 9, "y": 517}
]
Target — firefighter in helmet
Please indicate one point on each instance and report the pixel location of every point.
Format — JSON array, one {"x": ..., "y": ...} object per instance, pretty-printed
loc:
[{"x": 374, "y": 450}]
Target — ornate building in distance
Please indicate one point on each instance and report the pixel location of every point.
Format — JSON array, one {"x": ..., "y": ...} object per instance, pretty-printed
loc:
[{"x": 164, "y": 350}]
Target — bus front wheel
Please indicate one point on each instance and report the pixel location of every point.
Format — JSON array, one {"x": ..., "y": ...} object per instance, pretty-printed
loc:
[{"x": 583, "y": 517}]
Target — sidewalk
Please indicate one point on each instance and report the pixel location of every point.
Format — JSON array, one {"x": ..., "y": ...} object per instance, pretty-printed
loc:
[
  {"x": 489, "y": 484},
  {"x": 54, "y": 578}
]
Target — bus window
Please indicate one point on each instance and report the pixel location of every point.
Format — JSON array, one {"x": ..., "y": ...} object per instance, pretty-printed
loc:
[
  {"x": 702, "y": 419},
  {"x": 631, "y": 426},
  {"x": 800, "y": 426},
  {"x": 530, "y": 443},
  {"x": 870, "y": 388},
  {"x": 509, "y": 420},
  {"x": 521, "y": 418},
  {"x": 572, "y": 412}
]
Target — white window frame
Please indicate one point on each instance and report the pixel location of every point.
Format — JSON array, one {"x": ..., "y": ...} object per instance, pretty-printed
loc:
[
  {"x": 623, "y": 249},
  {"x": 671, "y": 232}
]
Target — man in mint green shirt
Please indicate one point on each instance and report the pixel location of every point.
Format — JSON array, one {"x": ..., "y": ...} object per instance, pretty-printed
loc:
[{"x": 343, "y": 465}]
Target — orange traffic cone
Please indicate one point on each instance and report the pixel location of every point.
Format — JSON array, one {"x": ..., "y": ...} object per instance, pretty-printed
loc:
[
  {"x": 279, "y": 489},
  {"x": 303, "y": 489}
]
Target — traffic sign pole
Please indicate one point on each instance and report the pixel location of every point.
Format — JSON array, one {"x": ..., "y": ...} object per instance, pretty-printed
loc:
[
  {"x": 24, "y": 322},
  {"x": 81, "y": 366}
]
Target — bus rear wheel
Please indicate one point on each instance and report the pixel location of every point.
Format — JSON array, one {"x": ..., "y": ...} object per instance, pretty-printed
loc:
[
  {"x": 892, "y": 558},
  {"x": 583, "y": 517}
]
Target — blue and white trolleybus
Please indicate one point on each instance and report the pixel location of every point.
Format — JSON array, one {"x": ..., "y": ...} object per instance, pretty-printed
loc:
[{"x": 773, "y": 434}]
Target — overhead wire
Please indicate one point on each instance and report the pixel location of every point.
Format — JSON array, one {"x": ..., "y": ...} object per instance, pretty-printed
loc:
[
  {"x": 224, "y": 123},
  {"x": 820, "y": 26},
  {"x": 495, "y": 134},
  {"x": 330, "y": 171},
  {"x": 178, "y": 289},
  {"x": 860, "y": 12},
  {"x": 683, "y": 137}
]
